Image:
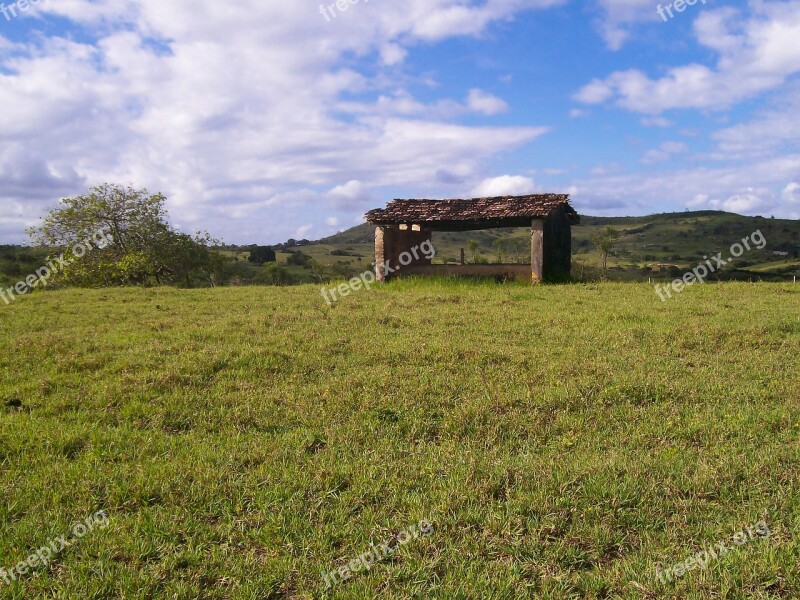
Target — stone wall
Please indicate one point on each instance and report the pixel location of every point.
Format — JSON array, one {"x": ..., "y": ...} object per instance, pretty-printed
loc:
[{"x": 507, "y": 272}]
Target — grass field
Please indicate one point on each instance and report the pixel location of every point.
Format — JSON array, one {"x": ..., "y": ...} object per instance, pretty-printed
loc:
[{"x": 562, "y": 440}]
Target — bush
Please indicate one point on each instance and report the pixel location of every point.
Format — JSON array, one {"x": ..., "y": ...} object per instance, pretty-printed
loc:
[
  {"x": 298, "y": 259},
  {"x": 273, "y": 274},
  {"x": 262, "y": 254}
]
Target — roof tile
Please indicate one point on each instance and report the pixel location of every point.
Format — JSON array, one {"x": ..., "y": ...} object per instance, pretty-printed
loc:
[{"x": 473, "y": 210}]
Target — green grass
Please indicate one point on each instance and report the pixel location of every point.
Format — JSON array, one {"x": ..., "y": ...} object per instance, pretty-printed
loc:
[
  {"x": 562, "y": 440},
  {"x": 778, "y": 265}
]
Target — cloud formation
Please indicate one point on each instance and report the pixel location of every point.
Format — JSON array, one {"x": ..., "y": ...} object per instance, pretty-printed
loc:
[
  {"x": 505, "y": 185},
  {"x": 756, "y": 53},
  {"x": 231, "y": 108}
]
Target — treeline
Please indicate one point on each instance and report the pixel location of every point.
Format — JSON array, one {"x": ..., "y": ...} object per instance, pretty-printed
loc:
[{"x": 142, "y": 249}]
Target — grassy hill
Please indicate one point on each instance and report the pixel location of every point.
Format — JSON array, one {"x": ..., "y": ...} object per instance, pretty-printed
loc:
[
  {"x": 563, "y": 441},
  {"x": 657, "y": 246},
  {"x": 673, "y": 239}
]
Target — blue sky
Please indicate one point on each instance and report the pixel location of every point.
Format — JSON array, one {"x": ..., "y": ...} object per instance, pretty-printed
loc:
[{"x": 267, "y": 120}]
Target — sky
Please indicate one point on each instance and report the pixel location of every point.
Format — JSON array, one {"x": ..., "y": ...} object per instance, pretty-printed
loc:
[{"x": 263, "y": 120}]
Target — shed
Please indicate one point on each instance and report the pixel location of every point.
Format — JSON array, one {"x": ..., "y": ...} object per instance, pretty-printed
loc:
[{"x": 406, "y": 224}]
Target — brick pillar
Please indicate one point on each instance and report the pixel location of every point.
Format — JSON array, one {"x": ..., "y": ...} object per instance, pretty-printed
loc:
[
  {"x": 391, "y": 243},
  {"x": 537, "y": 251},
  {"x": 383, "y": 236}
]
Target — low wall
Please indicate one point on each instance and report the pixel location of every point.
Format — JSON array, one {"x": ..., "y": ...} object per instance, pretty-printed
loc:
[{"x": 520, "y": 272}]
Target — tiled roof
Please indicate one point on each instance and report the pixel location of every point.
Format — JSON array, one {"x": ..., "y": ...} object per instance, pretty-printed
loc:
[{"x": 474, "y": 210}]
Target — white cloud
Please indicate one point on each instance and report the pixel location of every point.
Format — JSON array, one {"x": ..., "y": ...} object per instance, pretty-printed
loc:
[
  {"x": 484, "y": 102},
  {"x": 745, "y": 202},
  {"x": 655, "y": 122},
  {"x": 353, "y": 195},
  {"x": 596, "y": 92},
  {"x": 392, "y": 54},
  {"x": 747, "y": 172},
  {"x": 751, "y": 190},
  {"x": 29, "y": 179},
  {"x": 664, "y": 152},
  {"x": 749, "y": 201},
  {"x": 700, "y": 200},
  {"x": 554, "y": 171},
  {"x": 619, "y": 15},
  {"x": 605, "y": 169},
  {"x": 303, "y": 231},
  {"x": 438, "y": 19},
  {"x": 231, "y": 107},
  {"x": 773, "y": 130},
  {"x": 756, "y": 53},
  {"x": 401, "y": 103},
  {"x": 506, "y": 185},
  {"x": 791, "y": 193}
]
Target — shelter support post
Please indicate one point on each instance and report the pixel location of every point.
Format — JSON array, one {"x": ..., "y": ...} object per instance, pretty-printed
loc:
[{"x": 537, "y": 251}]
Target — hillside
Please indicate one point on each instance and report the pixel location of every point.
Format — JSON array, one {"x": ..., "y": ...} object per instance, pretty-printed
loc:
[
  {"x": 648, "y": 247},
  {"x": 652, "y": 247}
]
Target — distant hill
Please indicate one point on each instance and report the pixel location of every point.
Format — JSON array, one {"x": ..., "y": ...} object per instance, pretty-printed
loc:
[
  {"x": 660, "y": 246},
  {"x": 360, "y": 234},
  {"x": 650, "y": 246}
]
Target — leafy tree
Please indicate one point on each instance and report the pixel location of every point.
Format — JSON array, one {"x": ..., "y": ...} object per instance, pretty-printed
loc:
[
  {"x": 604, "y": 242},
  {"x": 299, "y": 259},
  {"x": 261, "y": 254},
  {"x": 317, "y": 269},
  {"x": 517, "y": 248},
  {"x": 194, "y": 257},
  {"x": 142, "y": 249},
  {"x": 273, "y": 274},
  {"x": 500, "y": 246},
  {"x": 473, "y": 246}
]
